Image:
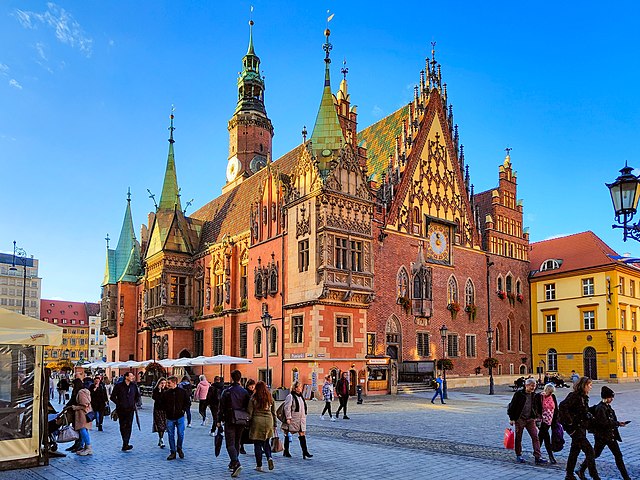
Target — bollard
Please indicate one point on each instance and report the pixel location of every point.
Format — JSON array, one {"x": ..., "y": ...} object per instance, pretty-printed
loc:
[{"x": 359, "y": 390}]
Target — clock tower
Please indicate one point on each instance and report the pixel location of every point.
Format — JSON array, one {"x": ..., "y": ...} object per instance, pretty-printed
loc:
[{"x": 250, "y": 129}]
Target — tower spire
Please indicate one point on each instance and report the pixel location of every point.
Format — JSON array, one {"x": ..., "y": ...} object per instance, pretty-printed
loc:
[
  {"x": 250, "y": 82},
  {"x": 250, "y": 50},
  {"x": 170, "y": 197}
]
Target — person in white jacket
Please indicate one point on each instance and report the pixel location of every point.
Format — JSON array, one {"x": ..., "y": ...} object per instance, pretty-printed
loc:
[{"x": 295, "y": 410}]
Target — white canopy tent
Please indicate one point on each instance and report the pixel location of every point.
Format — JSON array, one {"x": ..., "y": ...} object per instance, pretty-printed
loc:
[{"x": 22, "y": 390}]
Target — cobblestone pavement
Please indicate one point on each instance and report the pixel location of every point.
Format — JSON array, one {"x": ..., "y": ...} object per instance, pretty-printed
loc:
[{"x": 386, "y": 437}]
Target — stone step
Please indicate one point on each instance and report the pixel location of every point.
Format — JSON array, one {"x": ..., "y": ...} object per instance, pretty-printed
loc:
[{"x": 409, "y": 388}]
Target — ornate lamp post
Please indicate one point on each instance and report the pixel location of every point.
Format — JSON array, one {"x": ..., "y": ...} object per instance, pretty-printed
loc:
[
  {"x": 625, "y": 193},
  {"x": 21, "y": 255},
  {"x": 443, "y": 335},
  {"x": 266, "y": 323},
  {"x": 490, "y": 340},
  {"x": 610, "y": 339}
]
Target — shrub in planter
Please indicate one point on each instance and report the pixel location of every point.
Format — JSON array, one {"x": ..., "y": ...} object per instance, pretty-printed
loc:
[
  {"x": 444, "y": 364},
  {"x": 490, "y": 362},
  {"x": 502, "y": 294}
]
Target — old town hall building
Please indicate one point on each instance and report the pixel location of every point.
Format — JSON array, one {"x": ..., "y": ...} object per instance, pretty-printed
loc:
[{"x": 360, "y": 245}]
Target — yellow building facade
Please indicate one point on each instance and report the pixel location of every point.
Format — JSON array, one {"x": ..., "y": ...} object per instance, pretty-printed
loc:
[{"x": 584, "y": 309}]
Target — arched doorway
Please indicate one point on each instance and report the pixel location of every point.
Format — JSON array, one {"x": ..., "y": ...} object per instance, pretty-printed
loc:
[
  {"x": 393, "y": 337},
  {"x": 590, "y": 363}
]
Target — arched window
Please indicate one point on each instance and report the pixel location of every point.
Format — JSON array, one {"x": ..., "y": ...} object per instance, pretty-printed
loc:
[
  {"x": 498, "y": 338},
  {"x": 499, "y": 284},
  {"x": 273, "y": 281},
  {"x": 421, "y": 287},
  {"x": 518, "y": 287},
  {"x": 520, "y": 340},
  {"x": 402, "y": 283},
  {"x": 509, "y": 343},
  {"x": 453, "y": 289},
  {"x": 508, "y": 282},
  {"x": 257, "y": 342},
  {"x": 552, "y": 360},
  {"x": 258, "y": 281},
  {"x": 273, "y": 341},
  {"x": 551, "y": 264},
  {"x": 634, "y": 360},
  {"x": 469, "y": 294},
  {"x": 624, "y": 359}
]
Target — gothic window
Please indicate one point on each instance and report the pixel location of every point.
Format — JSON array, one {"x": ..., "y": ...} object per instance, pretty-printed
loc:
[
  {"x": 469, "y": 294},
  {"x": 243, "y": 340},
  {"x": 499, "y": 284},
  {"x": 356, "y": 256},
  {"x": 520, "y": 340},
  {"x": 258, "y": 281},
  {"x": 273, "y": 280},
  {"x": 243, "y": 281},
  {"x": 498, "y": 337},
  {"x": 257, "y": 342},
  {"x": 219, "y": 291},
  {"x": 303, "y": 255},
  {"x": 178, "y": 292},
  {"x": 518, "y": 287},
  {"x": 402, "y": 283},
  {"x": 273, "y": 341},
  {"x": 341, "y": 254},
  {"x": 508, "y": 283},
  {"x": 509, "y": 343},
  {"x": 452, "y": 290}
]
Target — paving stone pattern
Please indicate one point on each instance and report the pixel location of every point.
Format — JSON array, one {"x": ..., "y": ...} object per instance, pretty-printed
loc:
[{"x": 386, "y": 437}]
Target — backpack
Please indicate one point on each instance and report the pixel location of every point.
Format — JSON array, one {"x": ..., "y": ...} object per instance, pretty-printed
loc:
[
  {"x": 592, "y": 425},
  {"x": 564, "y": 416},
  {"x": 280, "y": 415}
]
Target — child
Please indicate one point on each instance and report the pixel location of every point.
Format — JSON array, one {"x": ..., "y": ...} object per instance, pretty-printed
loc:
[{"x": 605, "y": 432}]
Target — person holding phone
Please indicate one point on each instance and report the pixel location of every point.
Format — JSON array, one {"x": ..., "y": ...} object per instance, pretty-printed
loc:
[{"x": 606, "y": 434}]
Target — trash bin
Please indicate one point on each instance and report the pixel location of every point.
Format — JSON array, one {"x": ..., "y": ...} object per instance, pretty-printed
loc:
[{"x": 359, "y": 391}]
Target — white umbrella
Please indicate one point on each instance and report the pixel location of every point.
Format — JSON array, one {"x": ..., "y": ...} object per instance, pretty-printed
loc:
[
  {"x": 226, "y": 360},
  {"x": 127, "y": 364},
  {"x": 183, "y": 362}
]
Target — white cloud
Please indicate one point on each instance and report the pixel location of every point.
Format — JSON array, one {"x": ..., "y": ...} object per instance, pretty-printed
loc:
[
  {"x": 4, "y": 69},
  {"x": 14, "y": 83},
  {"x": 40, "y": 49},
  {"x": 67, "y": 29}
]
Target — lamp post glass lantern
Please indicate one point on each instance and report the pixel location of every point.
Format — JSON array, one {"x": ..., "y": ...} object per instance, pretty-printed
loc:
[
  {"x": 443, "y": 335},
  {"x": 266, "y": 324},
  {"x": 625, "y": 193}
]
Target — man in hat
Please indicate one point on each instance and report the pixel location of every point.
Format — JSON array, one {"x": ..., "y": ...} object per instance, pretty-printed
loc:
[{"x": 605, "y": 431}]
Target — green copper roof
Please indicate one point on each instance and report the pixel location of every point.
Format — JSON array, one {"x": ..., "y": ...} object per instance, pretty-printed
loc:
[
  {"x": 170, "y": 194},
  {"x": 250, "y": 49},
  {"x": 123, "y": 263},
  {"x": 327, "y": 134},
  {"x": 250, "y": 82}
]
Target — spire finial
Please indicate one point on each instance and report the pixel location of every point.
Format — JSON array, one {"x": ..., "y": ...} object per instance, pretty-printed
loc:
[
  {"x": 250, "y": 50},
  {"x": 171, "y": 127},
  {"x": 327, "y": 46},
  {"x": 304, "y": 134},
  {"x": 129, "y": 194},
  {"x": 508, "y": 150},
  {"x": 345, "y": 69},
  {"x": 107, "y": 239},
  {"x": 433, "y": 52}
]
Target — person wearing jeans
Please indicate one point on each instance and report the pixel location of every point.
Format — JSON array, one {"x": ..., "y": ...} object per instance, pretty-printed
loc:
[
  {"x": 523, "y": 412},
  {"x": 174, "y": 401},
  {"x": 235, "y": 397}
]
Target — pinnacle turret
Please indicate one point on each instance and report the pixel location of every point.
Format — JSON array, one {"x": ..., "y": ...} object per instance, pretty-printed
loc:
[{"x": 170, "y": 197}]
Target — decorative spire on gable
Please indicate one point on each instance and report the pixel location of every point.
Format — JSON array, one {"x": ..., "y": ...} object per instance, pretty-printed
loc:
[
  {"x": 327, "y": 134},
  {"x": 123, "y": 263},
  {"x": 170, "y": 197}
]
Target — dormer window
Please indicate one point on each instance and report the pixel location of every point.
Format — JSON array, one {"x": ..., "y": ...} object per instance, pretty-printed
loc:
[{"x": 551, "y": 264}]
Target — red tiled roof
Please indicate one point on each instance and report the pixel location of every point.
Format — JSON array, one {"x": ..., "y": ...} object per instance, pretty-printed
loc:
[
  {"x": 576, "y": 252},
  {"x": 93, "y": 309},
  {"x": 229, "y": 213},
  {"x": 63, "y": 309}
]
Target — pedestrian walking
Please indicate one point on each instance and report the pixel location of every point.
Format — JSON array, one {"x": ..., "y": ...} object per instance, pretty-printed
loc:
[
  {"x": 547, "y": 405},
  {"x": 174, "y": 402},
  {"x": 186, "y": 385},
  {"x": 81, "y": 423},
  {"x": 523, "y": 412},
  {"x": 606, "y": 433},
  {"x": 159, "y": 415},
  {"x": 108, "y": 384},
  {"x": 52, "y": 388},
  {"x": 234, "y": 403},
  {"x": 575, "y": 417},
  {"x": 213, "y": 401},
  {"x": 201, "y": 396},
  {"x": 63, "y": 389},
  {"x": 342, "y": 390},
  {"x": 438, "y": 390},
  {"x": 126, "y": 396},
  {"x": 327, "y": 394},
  {"x": 295, "y": 411},
  {"x": 99, "y": 400},
  {"x": 262, "y": 421},
  {"x": 250, "y": 386}
]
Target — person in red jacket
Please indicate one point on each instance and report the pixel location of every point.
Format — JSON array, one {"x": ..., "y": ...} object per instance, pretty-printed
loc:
[
  {"x": 201, "y": 396},
  {"x": 342, "y": 391}
]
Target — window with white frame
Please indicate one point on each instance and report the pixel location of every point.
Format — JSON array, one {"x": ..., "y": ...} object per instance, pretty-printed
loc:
[
  {"x": 623, "y": 319},
  {"x": 588, "y": 287},
  {"x": 470, "y": 341},
  {"x": 452, "y": 345},
  {"x": 550, "y": 322},
  {"x": 550, "y": 291},
  {"x": 342, "y": 329},
  {"x": 469, "y": 296},
  {"x": 552, "y": 360},
  {"x": 589, "y": 320},
  {"x": 297, "y": 329}
]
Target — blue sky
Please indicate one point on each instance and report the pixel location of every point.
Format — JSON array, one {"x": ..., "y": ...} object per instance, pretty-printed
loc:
[{"x": 86, "y": 89}]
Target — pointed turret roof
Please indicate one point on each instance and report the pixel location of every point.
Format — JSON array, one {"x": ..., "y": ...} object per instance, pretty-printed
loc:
[
  {"x": 123, "y": 263},
  {"x": 250, "y": 83},
  {"x": 170, "y": 197},
  {"x": 327, "y": 134}
]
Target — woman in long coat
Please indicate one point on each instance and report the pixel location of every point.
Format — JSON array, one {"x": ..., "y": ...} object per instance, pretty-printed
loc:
[
  {"x": 262, "y": 415},
  {"x": 159, "y": 415},
  {"x": 295, "y": 410},
  {"x": 80, "y": 410}
]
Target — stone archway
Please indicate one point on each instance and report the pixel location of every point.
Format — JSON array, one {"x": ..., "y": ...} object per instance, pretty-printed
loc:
[{"x": 393, "y": 338}]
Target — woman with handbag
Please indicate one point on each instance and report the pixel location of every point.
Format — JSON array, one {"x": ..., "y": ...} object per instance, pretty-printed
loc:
[
  {"x": 159, "y": 415},
  {"x": 547, "y": 404},
  {"x": 295, "y": 410},
  {"x": 83, "y": 417},
  {"x": 262, "y": 414}
]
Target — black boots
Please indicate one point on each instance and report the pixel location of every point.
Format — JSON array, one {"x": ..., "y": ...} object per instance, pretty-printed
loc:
[
  {"x": 286, "y": 446},
  {"x": 303, "y": 445}
]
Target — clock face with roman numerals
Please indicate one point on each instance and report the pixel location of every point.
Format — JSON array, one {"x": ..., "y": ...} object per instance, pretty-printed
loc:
[{"x": 438, "y": 242}]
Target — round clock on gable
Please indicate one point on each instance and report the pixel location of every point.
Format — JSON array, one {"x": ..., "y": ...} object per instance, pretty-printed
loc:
[
  {"x": 438, "y": 244},
  {"x": 233, "y": 168}
]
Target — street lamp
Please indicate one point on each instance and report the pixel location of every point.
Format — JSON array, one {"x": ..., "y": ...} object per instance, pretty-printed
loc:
[
  {"x": 21, "y": 255},
  {"x": 610, "y": 339},
  {"x": 266, "y": 323},
  {"x": 625, "y": 193},
  {"x": 443, "y": 335},
  {"x": 489, "y": 329},
  {"x": 490, "y": 339}
]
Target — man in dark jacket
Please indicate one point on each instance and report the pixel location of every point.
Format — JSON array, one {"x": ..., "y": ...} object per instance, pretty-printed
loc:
[
  {"x": 605, "y": 431},
  {"x": 342, "y": 391},
  {"x": 233, "y": 398},
  {"x": 99, "y": 399},
  {"x": 213, "y": 400},
  {"x": 174, "y": 401},
  {"x": 126, "y": 395},
  {"x": 522, "y": 413}
]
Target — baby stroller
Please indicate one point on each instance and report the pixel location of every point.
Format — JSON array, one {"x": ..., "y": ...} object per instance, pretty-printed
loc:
[{"x": 60, "y": 428}]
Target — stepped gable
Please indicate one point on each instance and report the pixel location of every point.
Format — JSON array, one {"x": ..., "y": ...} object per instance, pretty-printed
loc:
[
  {"x": 483, "y": 201},
  {"x": 229, "y": 213},
  {"x": 578, "y": 251},
  {"x": 380, "y": 141}
]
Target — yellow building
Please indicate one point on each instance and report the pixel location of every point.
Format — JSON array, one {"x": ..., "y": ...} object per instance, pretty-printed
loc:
[{"x": 584, "y": 309}]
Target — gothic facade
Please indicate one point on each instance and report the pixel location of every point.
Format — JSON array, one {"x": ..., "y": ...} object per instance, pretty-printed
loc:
[{"x": 359, "y": 246}]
